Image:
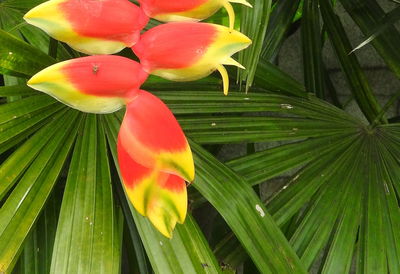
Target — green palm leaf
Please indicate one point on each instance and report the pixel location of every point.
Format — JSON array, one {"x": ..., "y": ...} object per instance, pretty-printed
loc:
[
  {"x": 87, "y": 212},
  {"x": 332, "y": 203},
  {"x": 345, "y": 195}
]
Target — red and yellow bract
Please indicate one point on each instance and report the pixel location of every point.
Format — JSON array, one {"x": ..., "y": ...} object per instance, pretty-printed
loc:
[
  {"x": 90, "y": 26},
  {"x": 188, "y": 10},
  {"x": 155, "y": 160},
  {"x": 95, "y": 84},
  {"x": 187, "y": 51}
]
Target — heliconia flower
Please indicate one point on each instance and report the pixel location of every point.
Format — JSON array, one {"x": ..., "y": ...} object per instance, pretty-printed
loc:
[
  {"x": 188, "y": 10},
  {"x": 90, "y": 26},
  {"x": 155, "y": 160},
  {"x": 95, "y": 84},
  {"x": 187, "y": 51}
]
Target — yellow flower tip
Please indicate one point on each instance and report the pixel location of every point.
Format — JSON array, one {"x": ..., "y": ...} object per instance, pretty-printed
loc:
[
  {"x": 231, "y": 13},
  {"x": 231, "y": 40},
  {"x": 41, "y": 12},
  {"x": 27, "y": 16},
  {"x": 163, "y": 219},
  {"x": 31, "y": 82},
  {"x": 38, "y": 78},
  {"x": 31, "y": 14},
  {"x": 168, "y": 235},
  {"x": 163, "y": 227},
  {"x": 46, "y": 76},
  {"x": 190, "y": 168},
  {"x": 225, "y": 78},
  {"x": 239, "y": 37},
  {"x": 181, "y": 218},
  {"x": 232, "y": 62}
]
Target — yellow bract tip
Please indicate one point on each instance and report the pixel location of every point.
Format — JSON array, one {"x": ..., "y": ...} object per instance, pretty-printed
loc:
[
  {"x": 225, "y": 78},
  {"x": 231, "y": 14},
  {"x": 233, "y": 62},
  {"x": 234, "y": 39}
]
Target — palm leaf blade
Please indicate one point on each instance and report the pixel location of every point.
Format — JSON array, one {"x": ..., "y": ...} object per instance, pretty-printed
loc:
[
  {"x": 22, "y": 208},
  {"x": 87, "y": 213}
]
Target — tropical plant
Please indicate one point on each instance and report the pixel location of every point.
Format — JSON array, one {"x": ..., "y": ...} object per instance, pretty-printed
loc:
[{"x": 63, "y": 209}]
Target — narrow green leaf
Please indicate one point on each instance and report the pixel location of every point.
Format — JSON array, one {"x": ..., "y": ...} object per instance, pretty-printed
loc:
[
  {"x": 312, "y": 48},
  {"x": 313, "y": 232},
  {"x": 18, "y": 58},
  {"x": 230, "y": 252},
  {"x": 36, "y": 255},
  {"x": 372, "y": 240},
  {"x": 24, "y": 107},
  {"x": 340, "y": 255},
  {"x": 389, "y": 173},
  {"x": 17, "y": 90},
  {"x": 264, "y": 165},
  {"x": 23, "y": 206},
  {"x": 28, "y": 261},
  {"x": 257, "y": 129},
  {"x": 22, "y": 126},
  {"x": 86, "y": 241},
  {"x": 369, "y": 15},
  {"x": 236, "y": 201},
  {"x": 281, "y": 18},
  {"x": 254, "y": 24},
  {"x": 46, "y": 228},
  {"x": 14, "y": 166},
  {"x": 211, "y": 102},
  {"x": 273, "y": 78},
  {"x": 389, "y": 19},
  {"x": 307, "y": 181},
  {"x": 331, "y": 89},
  {"x": 355, "y": 76}
]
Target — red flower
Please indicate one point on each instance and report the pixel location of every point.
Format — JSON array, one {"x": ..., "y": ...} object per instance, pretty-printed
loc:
[{"x": 189, "y": 51}]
